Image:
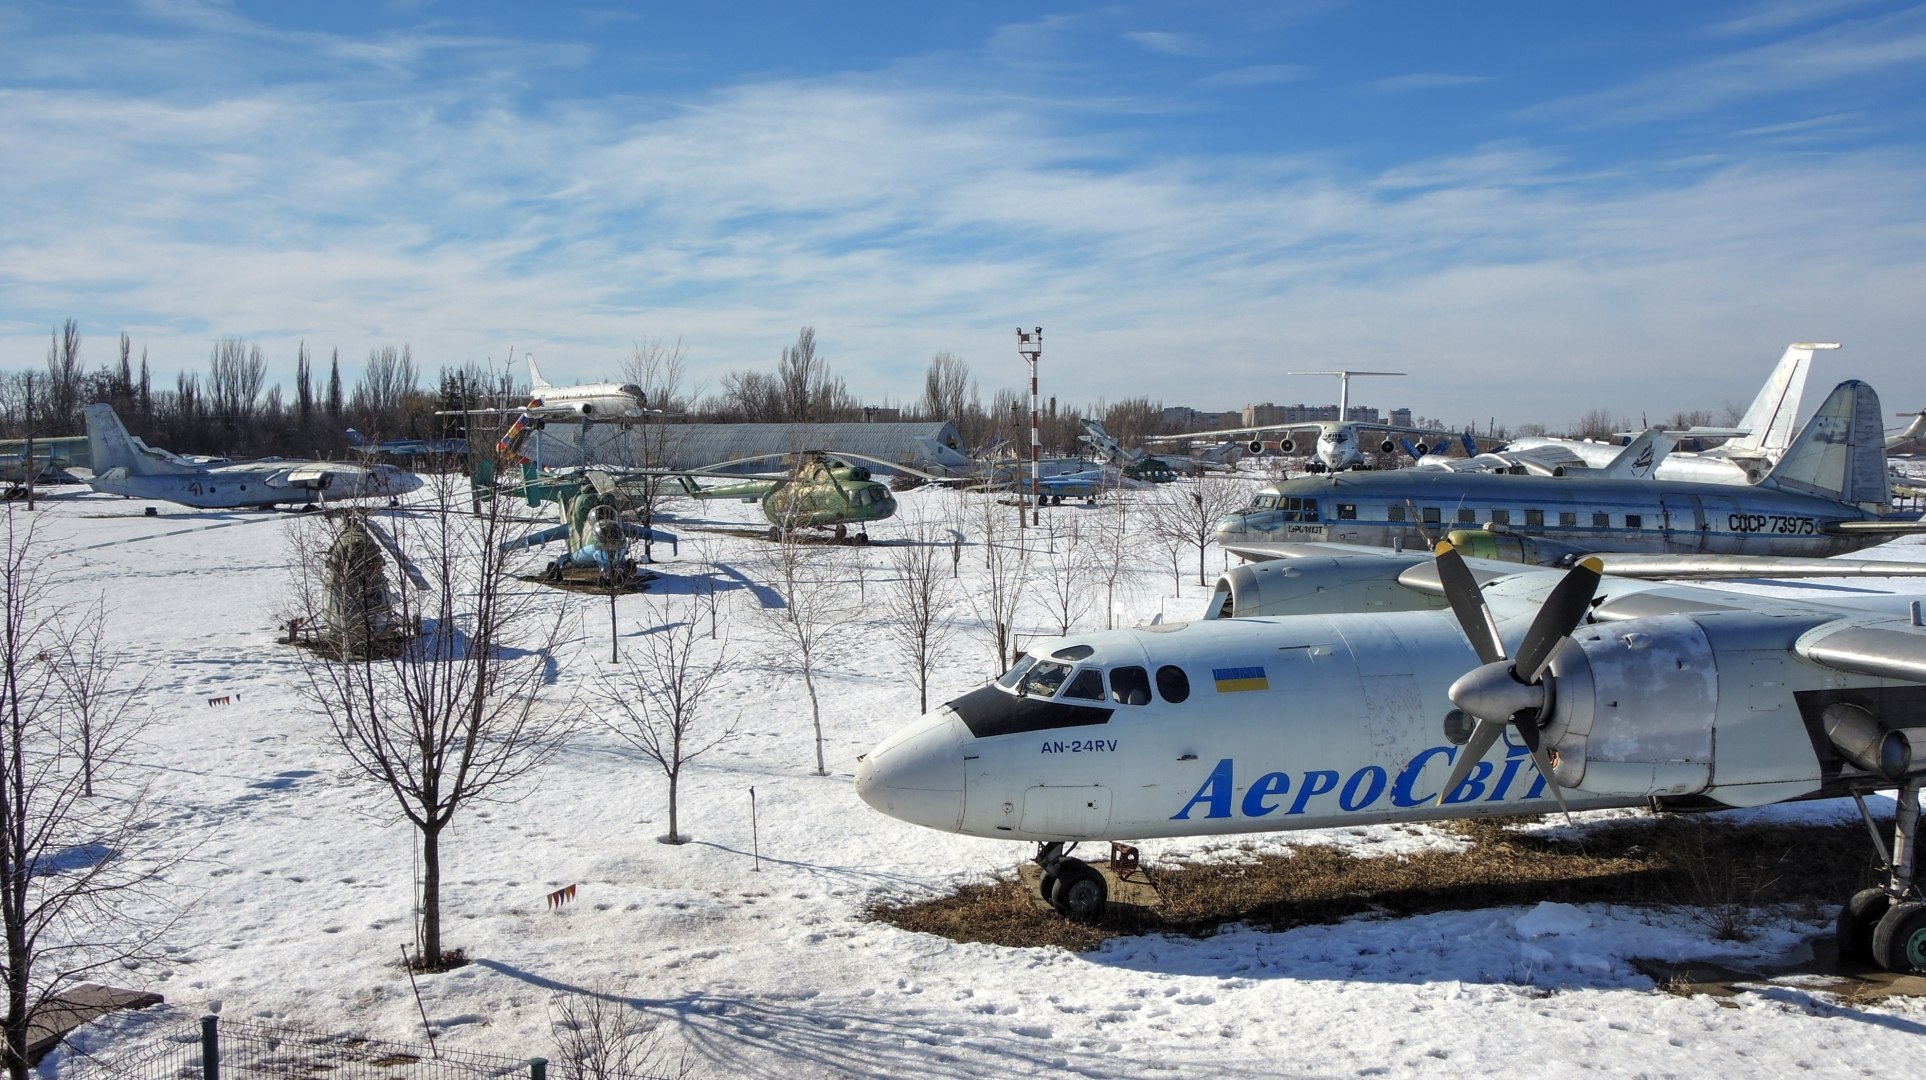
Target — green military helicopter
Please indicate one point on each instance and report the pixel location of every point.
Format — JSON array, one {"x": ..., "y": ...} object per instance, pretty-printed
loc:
[{"x": 822, "y": 490}]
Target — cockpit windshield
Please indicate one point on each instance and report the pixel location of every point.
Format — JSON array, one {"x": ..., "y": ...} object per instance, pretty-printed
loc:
[
  {"x": 1016, "y": 672},
  {"x": 1043, "y": 679}
]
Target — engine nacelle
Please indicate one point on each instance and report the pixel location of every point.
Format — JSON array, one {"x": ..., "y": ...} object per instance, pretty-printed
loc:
[
  {"x": 1634, "y": 708},
  {"x": 1286, "y": 446},
  {"x": 1489, "y": 543},
  {"x": 1387, "y": 446},
  {"x": 1255, "y": 446},
  {"x": 1421, "y": 447}
]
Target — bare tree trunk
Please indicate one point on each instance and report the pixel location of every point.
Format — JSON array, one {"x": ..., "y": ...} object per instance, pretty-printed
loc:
[{"x": 430, "y": 899}]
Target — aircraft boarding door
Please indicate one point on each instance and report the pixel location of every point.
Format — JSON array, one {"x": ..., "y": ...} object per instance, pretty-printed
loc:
[
  {"x": 1388, "y": 694},
  {"x": 1683, "y": 519}
]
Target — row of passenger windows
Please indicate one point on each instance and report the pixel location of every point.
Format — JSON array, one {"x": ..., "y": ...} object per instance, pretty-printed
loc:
[
  {"x": 1465, "y": 515},
  {"x": 1129, "y": 685}
]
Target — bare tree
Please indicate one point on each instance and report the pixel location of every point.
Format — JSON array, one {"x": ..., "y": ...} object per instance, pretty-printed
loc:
[
  {"x": 1068, "y": 567},
  {"x": 385, "y": 386},
  {"x": 235, "y": 375},
  {"x": 812, "y": 582},
  {"x": 947, "y": 388},
  {"x": 70, "y": 864},
  {"x": 801, "y": 376},
  {"x": 1006, "y": 564},
  {"x": 1193, "y": 514},
  {"x": 654, "y": 703},
  {"x": 64, "y": 371},
  {"x": 917, "y": 603},
  {"x": 449, "y": 716},
  {"x": 601, "y": 1035},
  {"x": 1114, "y": 550},
  {"x": 658, "y": 370}
]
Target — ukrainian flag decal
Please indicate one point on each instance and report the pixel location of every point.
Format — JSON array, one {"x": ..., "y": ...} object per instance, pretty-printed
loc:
[{"x": 1230, "y": 680}]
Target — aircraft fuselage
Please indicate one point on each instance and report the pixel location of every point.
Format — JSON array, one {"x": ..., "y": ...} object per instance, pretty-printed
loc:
[{"x": 1385, "y": 509}]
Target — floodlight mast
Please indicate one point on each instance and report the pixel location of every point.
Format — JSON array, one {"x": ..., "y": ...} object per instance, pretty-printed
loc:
[{"x": 1030, "y": 347}]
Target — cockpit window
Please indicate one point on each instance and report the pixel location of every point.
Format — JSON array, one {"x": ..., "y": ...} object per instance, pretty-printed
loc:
[
  {"x": 1043, "y": 679},
  {"x": 1130, "y": 686},
  {"x": 1264, "y": 502},
  {"x": 1010, "y": 677},
  {"x": 1087, "y": 683},
  {"x": 1072, "y": 652}
]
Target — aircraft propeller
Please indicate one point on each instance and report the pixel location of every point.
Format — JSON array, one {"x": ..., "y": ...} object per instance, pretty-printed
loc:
[{"x": 1513, "y": 691}]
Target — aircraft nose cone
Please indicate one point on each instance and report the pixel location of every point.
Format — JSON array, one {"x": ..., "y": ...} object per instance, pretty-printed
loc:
[{"x": 916, "y": 775}]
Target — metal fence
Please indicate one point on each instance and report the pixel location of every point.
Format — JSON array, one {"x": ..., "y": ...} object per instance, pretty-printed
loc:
[{"x": 228, "y": 1050}]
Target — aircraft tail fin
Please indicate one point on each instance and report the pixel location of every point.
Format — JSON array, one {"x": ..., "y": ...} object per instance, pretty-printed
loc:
[
  {"x": 1914, "y": 431},
  {"x": 536, "y": 383},
  {"x": 1410, "y": 450},
  {"x": 1841, "y": 452},
  {"x": 112, "y": 448},
  {"x": 1641, "y": 457},
  {"x": 1470, "y": 445},
  {"x": 1768, "y": 422}
]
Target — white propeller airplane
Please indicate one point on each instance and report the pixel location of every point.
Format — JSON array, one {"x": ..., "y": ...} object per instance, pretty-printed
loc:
[
  {"x": 1348, "y": 686},
  {"x": 124, "y": 465},
  {"x": 583, "y": 401}
]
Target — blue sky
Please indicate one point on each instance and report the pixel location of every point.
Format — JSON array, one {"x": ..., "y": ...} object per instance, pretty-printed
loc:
[{"x": 1535, "y": 209}]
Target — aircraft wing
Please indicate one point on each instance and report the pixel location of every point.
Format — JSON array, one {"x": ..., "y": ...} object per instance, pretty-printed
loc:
[
  {"x": 1312, "y": 427},
  {"x": 538, "y": 538},
  {"x": 1883, "y": 651},
  {"x": 1642, "y": 566}
]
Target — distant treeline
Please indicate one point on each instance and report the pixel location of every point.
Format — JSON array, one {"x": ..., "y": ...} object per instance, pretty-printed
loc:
[{"x": 232, "y": 410}]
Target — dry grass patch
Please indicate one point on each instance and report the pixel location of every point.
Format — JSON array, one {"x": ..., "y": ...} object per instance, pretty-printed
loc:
[{"x": 1728, "y": 872}]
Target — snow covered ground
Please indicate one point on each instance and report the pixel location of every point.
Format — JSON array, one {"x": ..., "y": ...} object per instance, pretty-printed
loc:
[{"x": 297, "y": 892}]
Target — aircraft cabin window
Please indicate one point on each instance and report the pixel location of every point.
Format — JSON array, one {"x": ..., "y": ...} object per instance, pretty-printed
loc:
[
  {"x": 1534, "y": 519},
  {"x": 1087, "y": 683},
  {"x": 1172, "y": 684},
  {"x": 1432, "y": 515},
  {"x": 1634, "y": 521},
  {"x": 1601, "y": 520},
  {"x": 1467, "y": 516},
  {"x": 1130, "y": 686},
  {"x": 1567, "y": 519},
  {"x": 1011, "y": 677},
  {"x": 1501, "y": 517},
  {"x": 1347, "y": 511},
  {"x": 1043, "y": 680},
  {"x": 1394, "y": 513}
]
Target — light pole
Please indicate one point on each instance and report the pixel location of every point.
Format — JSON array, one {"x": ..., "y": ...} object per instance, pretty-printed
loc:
[{"x": 1030, "y": 347}]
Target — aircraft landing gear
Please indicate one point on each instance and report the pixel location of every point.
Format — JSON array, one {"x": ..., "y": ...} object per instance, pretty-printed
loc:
[
  {"x": 1072, "y": 886},
  {"x": 1888, "y": 925},
  {"x": 842, "y": 532}
]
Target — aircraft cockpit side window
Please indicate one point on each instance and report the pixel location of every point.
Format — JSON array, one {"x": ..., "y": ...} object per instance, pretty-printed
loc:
[
  {"x": 1264, "y": 502},
  {"x": 1172, "y": 684},
  {"x": 1087, "y": 684},
  {"x": 1072, "y": 652},
  {"x": 1130, "y": 686},
  {"x": 1015, "y": 674},
  {"x": 1043, "y": 679}
]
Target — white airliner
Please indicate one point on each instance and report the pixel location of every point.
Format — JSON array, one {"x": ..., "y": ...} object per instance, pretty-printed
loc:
[
  {"x": 1748, "y": 454},
  {"x": 124, "y": 465},
  {"x": 1347, "y": 686},
  {"x": 597, "y": 401},
  {"x": 1334, "y": 445}
]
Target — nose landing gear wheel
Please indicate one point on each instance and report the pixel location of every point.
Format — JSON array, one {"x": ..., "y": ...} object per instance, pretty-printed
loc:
[{"x": 1080, "y": 892}]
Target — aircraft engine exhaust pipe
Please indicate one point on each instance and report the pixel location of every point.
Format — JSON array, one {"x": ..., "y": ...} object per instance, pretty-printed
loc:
[{"x": 1866, "y": 742}]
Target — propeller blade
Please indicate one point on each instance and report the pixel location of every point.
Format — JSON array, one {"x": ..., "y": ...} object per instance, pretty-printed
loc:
[
  {"x": 1559, "y": 615},
  {"x": 1468, "y": 604},
  {"x": 1470, "y": 754},
  {"x": 1543, "y": 760}
]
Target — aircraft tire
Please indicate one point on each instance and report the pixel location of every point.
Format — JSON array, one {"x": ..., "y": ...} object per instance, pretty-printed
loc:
[
  {"x": 1048, "y": 887},
  {"x": 1852, "y": 931},
  {"x": 1899, "y": 941},
  {"x": 1080, "y": 892}
]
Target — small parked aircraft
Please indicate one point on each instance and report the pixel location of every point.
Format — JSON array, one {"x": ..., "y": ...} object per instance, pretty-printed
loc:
[
  {"x": 591, "y": 523},
  {"x": 123, "y": 465},
  {"x": 1347, "y": 686},
  {"x": 407, "y": 448}
]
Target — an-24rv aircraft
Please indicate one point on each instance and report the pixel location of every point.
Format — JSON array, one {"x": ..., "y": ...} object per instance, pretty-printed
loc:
[
  {"x": 1829, "y": 494},
  {"x": 1351, "y": 686},
  {"x": 123, "y": 465}
]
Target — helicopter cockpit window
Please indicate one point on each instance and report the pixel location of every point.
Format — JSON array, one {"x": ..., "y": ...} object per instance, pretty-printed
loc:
[
  {"x": 1043, "y": 679},
  {"x": 1130, "y": 686},
  {"x": 1011, "y": 677},
  {"x": 1087, "y": 683}
]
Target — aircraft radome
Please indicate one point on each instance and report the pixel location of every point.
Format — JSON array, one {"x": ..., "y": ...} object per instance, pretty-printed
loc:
[
  {"x": 1347, "y": 686},
  {"x": 1829, "y": 494},
  {"x": 123, "y": 465}
]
